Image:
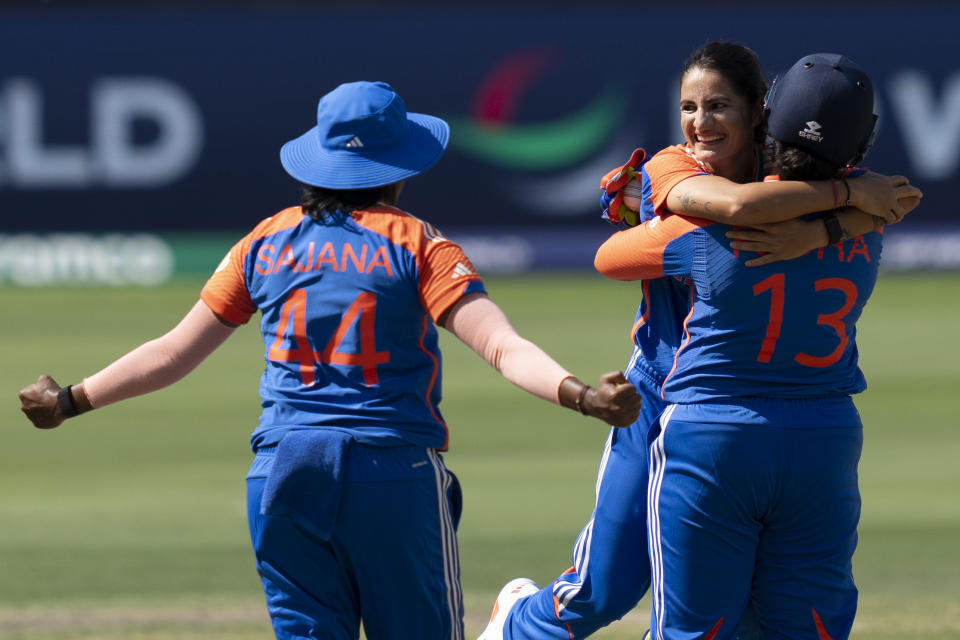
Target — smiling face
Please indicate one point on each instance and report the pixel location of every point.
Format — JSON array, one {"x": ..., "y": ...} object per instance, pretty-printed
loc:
[{"x": 718, "y": 123}]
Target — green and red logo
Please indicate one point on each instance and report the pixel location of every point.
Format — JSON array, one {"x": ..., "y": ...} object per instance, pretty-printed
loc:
[{"x": 567, "y": 144}]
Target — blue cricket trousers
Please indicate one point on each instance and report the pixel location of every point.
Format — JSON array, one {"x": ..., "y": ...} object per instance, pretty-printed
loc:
[
  {"x": 357, "y": 533},
  {"x": 611, "y": 566},
  {"x": 611, "y": 570},
  {"x": 754, "y": 502}
]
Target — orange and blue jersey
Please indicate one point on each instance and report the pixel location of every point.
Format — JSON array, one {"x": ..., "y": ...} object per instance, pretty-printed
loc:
[
  {"x": 784, "y": 330},
  {"x": 771, "y": 347},
  {"x": 348, "y": 311},
  {"x": 596, "y": 590},
  {"x": 657, "y": 328},
  {"x": 661, "y": 173}
]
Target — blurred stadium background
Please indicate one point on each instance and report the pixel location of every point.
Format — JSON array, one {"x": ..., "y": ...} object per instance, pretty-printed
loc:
[{"x": 139, "y": 140}]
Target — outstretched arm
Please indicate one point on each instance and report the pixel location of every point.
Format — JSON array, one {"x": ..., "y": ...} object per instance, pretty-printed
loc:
[
  {"x": 149, "y": 367},
  {"x": 480, "y": 324},
  {"x": 721, "y": 200}
]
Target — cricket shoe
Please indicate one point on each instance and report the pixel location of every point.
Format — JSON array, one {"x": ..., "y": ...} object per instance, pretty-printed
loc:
[{"x": 512, "y": 592}]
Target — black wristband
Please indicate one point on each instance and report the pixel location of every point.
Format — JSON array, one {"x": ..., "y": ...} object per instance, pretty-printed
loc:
[
  {"x": 65, "y": 400},
  {"x": 834, "y": 230}
]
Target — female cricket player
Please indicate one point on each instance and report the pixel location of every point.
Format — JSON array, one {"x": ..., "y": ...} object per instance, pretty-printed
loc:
[
  {"x": 753, "y": 497},
  {"x": 352, "y": 512},
  {"x": 610, "y": 571}
]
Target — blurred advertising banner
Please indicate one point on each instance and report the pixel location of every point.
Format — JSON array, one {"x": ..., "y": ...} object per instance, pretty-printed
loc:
[{"x": 170, "y": 121}]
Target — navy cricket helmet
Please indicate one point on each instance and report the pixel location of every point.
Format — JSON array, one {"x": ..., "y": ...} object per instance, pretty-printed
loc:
[{"x": 824, "y": 105}]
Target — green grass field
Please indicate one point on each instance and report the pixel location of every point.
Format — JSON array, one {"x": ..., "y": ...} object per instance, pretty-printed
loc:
[{"x": 129, "y": 522}]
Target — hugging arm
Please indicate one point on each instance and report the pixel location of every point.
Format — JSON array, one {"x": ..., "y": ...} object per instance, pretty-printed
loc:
[
  {"x": 653, "y": 249},
  {"x": 722, "y": 200}
]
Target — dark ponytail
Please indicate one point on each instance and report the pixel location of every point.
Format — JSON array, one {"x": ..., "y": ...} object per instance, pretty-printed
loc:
[
  {"x": 321, "y": 203},
  {"x": 790, "y": 162}
]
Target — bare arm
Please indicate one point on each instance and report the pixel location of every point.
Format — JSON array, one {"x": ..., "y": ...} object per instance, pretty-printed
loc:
[
  {"x": 480, "y": 324},
  {"x": 151, "y": 366},
  {"x": 721, "y": 200}
]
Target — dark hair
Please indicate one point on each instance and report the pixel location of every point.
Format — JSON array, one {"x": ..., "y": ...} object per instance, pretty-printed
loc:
[
  {"x": 321, "y": 203},
  {"x": 741, "y": 68},
  {"x": 793, "y": 163}
]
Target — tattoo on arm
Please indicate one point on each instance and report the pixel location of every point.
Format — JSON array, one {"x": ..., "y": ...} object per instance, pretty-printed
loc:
[
  {"x": 692, "y": 206},
  {"x": 845, "y": 219},
  {"x": 845, "y": 234}
]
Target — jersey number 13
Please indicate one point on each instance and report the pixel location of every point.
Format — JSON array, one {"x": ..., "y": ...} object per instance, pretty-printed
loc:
[{"x": 776, "y": 284}]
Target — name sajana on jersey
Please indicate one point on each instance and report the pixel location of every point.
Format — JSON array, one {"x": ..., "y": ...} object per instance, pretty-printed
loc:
[{"x": 270, "y": 260}]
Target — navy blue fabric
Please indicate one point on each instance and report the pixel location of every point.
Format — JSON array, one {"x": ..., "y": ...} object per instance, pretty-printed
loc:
[
  {"x": 391, "y": 553},
  {"x": 611, "y": 571},
  {"x": 824, "y": 105},
  {"x": 754, "y": 500},
  {"x": 611, "y": 566},
  {"x": 306, "y": 478}
]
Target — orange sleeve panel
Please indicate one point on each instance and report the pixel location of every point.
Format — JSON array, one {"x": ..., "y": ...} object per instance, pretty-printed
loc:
[
  {"x": 639, "y": 253},
  {"x": 666, "y": 170},
  {"x": 445, "y": 273},
  {"x": 226, "y": 291}
]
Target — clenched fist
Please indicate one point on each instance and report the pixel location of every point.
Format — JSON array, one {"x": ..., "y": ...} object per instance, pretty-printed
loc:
[
  {"x": 39, "y": 402},
  {"x": 614, "y": 400}
]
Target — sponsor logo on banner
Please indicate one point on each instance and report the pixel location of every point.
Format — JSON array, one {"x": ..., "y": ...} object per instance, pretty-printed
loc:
[
  {"x": 572, "y": 150},
  {"x": 110, "y": 158},
  {"x": 34, "y": 260}
]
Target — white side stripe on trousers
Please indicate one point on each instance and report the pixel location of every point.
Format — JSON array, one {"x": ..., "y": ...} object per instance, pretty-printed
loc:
[
  {"x": 658, "y": 461},
  {"x": 448, "y": 535},
  {"x": 566, "y": 590}
]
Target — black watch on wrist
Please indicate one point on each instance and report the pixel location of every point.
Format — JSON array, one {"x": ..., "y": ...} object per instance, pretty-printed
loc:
[
  {"x": 834, "y": 230},
  {"x": 65, "y": 400}
]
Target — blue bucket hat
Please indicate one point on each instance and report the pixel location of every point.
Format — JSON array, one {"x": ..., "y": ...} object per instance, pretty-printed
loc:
[
  {"x": 364, "y": 138},
  {"x": 824, "y": 105}
]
